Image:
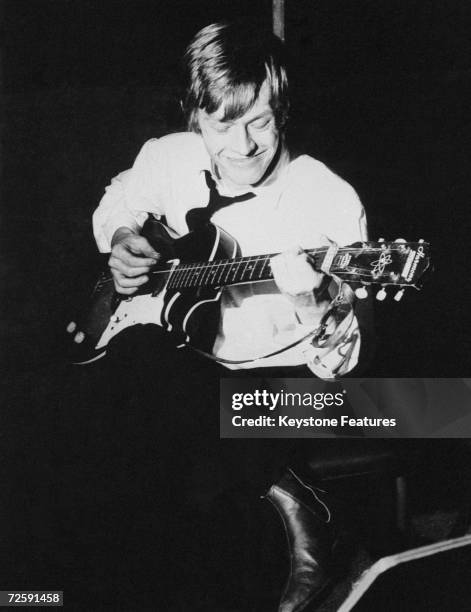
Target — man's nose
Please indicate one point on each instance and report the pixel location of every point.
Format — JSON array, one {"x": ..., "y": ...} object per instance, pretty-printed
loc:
[{"x": 242, "y": 142}]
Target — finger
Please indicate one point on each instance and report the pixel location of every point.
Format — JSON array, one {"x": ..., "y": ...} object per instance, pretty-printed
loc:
[
  {"x": 294, "y": 251},
  {"x": 126, "y": 283},
  {"x": 293, "y": 274},
  {"x": 140, "y": 246},
  {"x": 125, "y": 270},
  {"x": 123, "y": 290},
  {"x": 127, "y": 258}
]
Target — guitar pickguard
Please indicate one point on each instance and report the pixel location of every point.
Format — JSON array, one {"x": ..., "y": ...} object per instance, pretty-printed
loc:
[{"x": 139, "y": 310}]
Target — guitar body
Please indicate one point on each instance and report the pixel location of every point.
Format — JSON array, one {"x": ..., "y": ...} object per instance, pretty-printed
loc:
[{"x": 190, "y": 314}]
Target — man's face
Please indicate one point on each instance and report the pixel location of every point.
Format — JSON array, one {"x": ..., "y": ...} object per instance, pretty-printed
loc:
[{"x": 243, "y": 148}]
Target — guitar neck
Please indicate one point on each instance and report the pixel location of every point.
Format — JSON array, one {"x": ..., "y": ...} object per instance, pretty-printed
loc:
[
  {"x": 397, "y": 263},
  {"x": 223, "y": 272}
]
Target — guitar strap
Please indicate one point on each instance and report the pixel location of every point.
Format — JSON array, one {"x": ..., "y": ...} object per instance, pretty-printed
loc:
[{"x": 331, "y": 341}]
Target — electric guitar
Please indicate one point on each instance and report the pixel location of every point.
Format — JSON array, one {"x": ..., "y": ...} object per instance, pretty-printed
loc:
[{"x": 183, "y": 290}]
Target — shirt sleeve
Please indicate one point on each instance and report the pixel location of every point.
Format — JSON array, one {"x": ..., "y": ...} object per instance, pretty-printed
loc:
[
  {"x": 351, "y": 224},
  {"x": 132, "y": 195}
]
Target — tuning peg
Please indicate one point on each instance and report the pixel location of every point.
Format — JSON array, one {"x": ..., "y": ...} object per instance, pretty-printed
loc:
[
  {"x": 421, "y": 241},
  {"x": 79, "y": 337},
  {"x": 380, "y": 239},
  {"x": 400, "y": 240},
  {"x": 114, "y": 318},
  {"x": 71, "y": 327},
  {"x": 399, "y": 295},
  {"x": 361, "y": 293},
  {"x": 381, "y": 295}
]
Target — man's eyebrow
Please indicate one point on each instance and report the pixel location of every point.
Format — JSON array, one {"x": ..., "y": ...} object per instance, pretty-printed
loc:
[
  {"x": 261, "y": 115},
  {"x": 215, "y": 121}
]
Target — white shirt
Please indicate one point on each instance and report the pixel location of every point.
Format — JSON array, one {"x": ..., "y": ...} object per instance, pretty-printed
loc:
[{"x": 301, "y": 205}]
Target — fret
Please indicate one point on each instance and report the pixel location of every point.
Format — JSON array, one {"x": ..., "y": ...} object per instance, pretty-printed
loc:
[
  {"x": 191, "y": 275},
  {"x": 177, "y": 277},
  {"x": 229, "y": 270},
  {"x": 252, "y": 267},
  {"x": 194, "y": 282},
  {"x": 212, "y": 273},
  {"x": 172, "y": 279},
  {"x": 204, "y": 276},
  {"x": 258, "y": 273},
  {"x": 234, "y": 267},
  {"x": 267, "y": 259},
  {"x": 193, "y": 278},
  {"x": 207, "y": 280},
  {"x": 185, "y": 276},
  {"x": 209, "y": 269},
  {"x": 169, "y": 279},
  {"x": 181, "y": 279},
  {"x": 221, "y": 270},
  {"x": 242, "y": 276}
]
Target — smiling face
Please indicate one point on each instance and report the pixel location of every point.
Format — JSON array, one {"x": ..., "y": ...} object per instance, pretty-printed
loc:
[{"x": 241, "y": 149}]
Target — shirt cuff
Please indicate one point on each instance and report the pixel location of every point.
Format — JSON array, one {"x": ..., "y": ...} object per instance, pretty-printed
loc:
[{"x": 105, "y": 232}]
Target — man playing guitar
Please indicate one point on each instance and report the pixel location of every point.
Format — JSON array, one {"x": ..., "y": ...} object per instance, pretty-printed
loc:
[{"x": 233, "y": 168}]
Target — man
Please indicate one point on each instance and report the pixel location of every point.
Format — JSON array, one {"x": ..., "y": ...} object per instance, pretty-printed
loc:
[{"x": 234, "y": 167}]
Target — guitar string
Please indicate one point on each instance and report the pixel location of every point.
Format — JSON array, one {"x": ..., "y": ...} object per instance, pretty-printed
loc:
[{"x": 192, "y": 267}]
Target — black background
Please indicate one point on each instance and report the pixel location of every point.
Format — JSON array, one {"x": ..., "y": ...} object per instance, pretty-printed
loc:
[{"x": 380, "y": 93}]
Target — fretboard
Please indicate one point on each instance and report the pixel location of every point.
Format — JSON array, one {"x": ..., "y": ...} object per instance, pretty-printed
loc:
[{"x": 223, "y": 272}]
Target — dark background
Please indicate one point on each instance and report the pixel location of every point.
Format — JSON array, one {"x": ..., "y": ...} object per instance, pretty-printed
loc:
[{"x": 380, "y": 93}]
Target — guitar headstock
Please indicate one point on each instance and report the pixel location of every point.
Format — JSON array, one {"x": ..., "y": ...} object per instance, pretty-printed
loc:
[{"x": 384, "y": 263}]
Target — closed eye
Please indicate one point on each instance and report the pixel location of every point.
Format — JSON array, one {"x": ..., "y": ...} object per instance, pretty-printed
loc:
[
  {"x": 221, "y": 128},
  {"x": 260, "y": 124}
]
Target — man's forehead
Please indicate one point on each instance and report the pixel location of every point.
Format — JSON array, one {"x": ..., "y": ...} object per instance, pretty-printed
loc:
[{"x": 261, "y": 106}]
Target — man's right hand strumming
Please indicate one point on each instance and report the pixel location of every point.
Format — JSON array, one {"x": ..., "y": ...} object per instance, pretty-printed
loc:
[{"x": 130, "y": 261}]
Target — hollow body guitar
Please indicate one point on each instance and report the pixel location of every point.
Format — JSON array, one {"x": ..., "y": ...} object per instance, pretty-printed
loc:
[{"x": 183, "y": 291}]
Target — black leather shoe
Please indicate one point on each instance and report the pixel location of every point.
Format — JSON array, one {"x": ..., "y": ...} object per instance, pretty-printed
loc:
[{"x": 308, "y": 525}]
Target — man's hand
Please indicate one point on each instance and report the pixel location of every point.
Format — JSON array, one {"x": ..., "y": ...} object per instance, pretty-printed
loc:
[
  {"x": 296, "y": 278},
  {"x": 131, "y": 259},
  {"x": 293, "y": 273}
]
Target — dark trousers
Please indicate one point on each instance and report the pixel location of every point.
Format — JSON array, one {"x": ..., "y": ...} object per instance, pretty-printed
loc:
[
  {"x": 147, "y": 485},
  {"x": 169, "y": 400}
]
